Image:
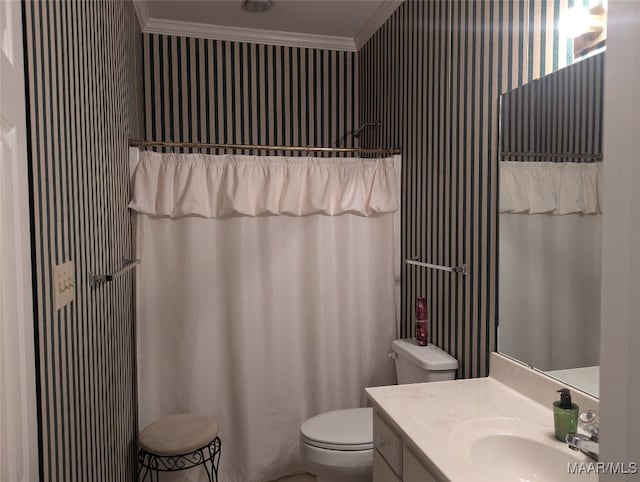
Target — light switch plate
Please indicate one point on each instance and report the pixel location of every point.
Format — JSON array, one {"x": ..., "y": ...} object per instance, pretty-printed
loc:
[{"x": 64, "y": 284}]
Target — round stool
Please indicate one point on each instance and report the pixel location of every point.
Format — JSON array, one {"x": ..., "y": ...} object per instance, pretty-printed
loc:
[{"x": 179, "y": 442}]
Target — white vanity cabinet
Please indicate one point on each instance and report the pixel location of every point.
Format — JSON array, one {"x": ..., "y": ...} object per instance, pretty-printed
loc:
[
  {"x": 393, "y": 459},
  {"x": 457, "y": 430}
]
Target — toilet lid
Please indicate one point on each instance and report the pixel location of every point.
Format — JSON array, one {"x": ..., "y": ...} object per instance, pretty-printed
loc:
[{"x": 350, "y": 429}]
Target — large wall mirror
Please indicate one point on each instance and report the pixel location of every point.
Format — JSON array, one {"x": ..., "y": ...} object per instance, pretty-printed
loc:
[{"x": 549, "y": 223}]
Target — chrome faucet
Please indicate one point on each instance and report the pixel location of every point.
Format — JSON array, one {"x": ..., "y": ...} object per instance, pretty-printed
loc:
[{"x": 587, "y": 444}]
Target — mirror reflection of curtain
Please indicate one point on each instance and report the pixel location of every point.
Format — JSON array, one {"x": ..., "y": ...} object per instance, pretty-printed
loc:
[
  {"x": 550, "y": 284},
  {"x": 550, "y": 262},
  {"x": 550, "y": 218},
  {"x": 555, "y": 188}
]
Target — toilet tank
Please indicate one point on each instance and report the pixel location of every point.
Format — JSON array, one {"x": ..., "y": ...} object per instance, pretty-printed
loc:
[{"x": 419, "y": 364}]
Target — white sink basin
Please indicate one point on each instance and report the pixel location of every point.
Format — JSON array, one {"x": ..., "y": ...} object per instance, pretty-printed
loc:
[
  {"x": 508, "y": 457},
  {"x": 509, "y": 449}
]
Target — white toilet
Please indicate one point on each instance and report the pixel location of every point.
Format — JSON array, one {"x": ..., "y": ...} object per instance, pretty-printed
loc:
[{"x": 337, "y": 446}]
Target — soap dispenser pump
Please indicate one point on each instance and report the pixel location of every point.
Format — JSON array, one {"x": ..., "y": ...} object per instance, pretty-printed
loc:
[{"x": 565, "y": 415}]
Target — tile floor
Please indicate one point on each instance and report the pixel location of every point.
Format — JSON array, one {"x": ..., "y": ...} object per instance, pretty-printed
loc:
[{"x": 297, "y": 478}]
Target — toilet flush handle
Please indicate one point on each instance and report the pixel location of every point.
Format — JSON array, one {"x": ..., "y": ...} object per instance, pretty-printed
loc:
[{"x": 393, "y": 354}]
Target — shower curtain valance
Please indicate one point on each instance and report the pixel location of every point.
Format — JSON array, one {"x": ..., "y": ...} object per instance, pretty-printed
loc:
[
  {"x": 550, "y": 187},
  {"x": 177, "y": 185}
]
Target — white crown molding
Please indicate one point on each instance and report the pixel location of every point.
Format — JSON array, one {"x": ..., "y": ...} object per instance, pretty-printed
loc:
[
  {"x": 384, "y": 11},
  {"x": 250, "y": 35},
  {"x": 142, "y": 11}
]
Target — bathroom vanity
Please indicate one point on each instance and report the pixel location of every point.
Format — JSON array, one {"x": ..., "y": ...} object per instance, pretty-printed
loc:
[
  {"x": 394, "y": 457},
  {"x": 495, "y": 429}
]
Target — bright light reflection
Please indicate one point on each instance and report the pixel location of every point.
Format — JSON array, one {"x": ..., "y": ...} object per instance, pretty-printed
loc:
[{"x": 574, "y": 22}]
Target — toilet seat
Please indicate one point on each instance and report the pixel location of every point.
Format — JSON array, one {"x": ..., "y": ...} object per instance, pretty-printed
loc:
[{"x": 343, "y": 430}]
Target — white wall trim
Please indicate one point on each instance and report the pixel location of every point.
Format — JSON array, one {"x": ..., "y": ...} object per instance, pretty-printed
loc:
[
  {"x": 18, "y": 402},
  {"x": 250, "y": 35},
  {"x": 384, "y": 11},
  {"x": 268, "y": 37},
  {"x": 142, "y": 11},
  {"x": 620, "y": 308}
]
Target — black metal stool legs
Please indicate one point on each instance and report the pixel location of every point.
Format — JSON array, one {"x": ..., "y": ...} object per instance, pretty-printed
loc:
[
  {"x": 215, "y": 449},
  {"x": 209, "y": 456},
  {"x": 147, "y": 464}
]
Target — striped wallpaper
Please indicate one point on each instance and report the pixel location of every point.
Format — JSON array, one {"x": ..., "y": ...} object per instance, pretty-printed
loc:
[
  {"x": 84, "y": 99},
  {"x": 200, "y": 90},
  {"x": 559, "y": 113},
  {"x": 432, "y": 75}
]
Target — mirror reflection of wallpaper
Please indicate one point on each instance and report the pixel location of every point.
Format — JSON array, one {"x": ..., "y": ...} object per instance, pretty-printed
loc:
[
  {"x": 549, "y": 264},
  {"x": 558, "y": 113}
]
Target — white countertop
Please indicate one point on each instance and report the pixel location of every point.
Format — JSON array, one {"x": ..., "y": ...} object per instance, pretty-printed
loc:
[
  {"x": 585, "y": 378},
  {"x": 431, "y": 416}
]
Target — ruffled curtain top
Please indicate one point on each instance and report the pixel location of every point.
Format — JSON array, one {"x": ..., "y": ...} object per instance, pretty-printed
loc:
[
  {"x": 550, "y": 187},
  {"x": 177, "y": 185}
]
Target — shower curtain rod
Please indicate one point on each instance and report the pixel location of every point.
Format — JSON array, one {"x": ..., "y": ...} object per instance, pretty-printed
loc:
[
  {"x": 552, "y": 155},
  {"x": 199, "y": 145}
]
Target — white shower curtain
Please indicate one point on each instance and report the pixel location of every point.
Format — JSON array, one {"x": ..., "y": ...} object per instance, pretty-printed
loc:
[
  {"x": 550, "y": 289},
  {"x": 550, "y": 263},
  {"x": 262, "y": 322}
]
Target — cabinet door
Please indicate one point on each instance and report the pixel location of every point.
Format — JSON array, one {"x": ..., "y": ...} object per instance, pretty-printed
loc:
[
  {"x": 381, "y": 470},
  {"x": 388, "y": 443},
  {"x": 413, "y": 470}
]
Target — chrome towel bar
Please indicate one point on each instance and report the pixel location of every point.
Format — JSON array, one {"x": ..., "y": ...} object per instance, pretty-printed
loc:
[
  {"x": 451, "y": 269},
  {"x": 127, "y": 265}
]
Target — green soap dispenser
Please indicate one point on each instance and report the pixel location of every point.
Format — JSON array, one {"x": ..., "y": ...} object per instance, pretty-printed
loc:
[{"x": 565, "y": 415}]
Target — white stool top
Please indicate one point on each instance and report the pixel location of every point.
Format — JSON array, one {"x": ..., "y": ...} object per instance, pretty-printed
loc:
[{"x": 178, "y": 434}]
